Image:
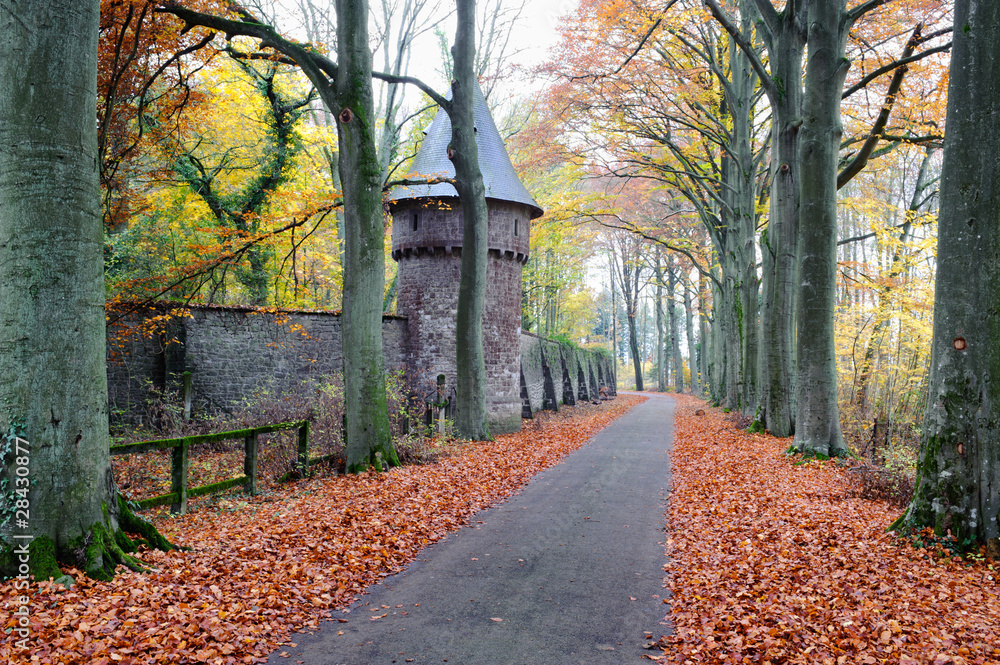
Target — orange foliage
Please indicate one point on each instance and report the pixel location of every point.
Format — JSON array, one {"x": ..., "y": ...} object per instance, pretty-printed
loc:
[
  {"x": 261, "y": 571},
  {"x": 772, "y": 562},
  {"x": 144, "y": 63}
]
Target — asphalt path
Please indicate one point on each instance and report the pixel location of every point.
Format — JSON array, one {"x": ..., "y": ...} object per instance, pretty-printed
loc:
[{"x": 569, "y": 571}]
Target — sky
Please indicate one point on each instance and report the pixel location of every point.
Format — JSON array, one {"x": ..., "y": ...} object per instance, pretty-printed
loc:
[
  {"x": 537, "y": 30},
  {"x": 535, "y": 33}
]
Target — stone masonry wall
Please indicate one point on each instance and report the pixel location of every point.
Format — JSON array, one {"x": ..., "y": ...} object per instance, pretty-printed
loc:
[
  {"x": 233, "y": 353},
  {"x": 552, "y": 371},
  {"x": 428, "y": 296}
]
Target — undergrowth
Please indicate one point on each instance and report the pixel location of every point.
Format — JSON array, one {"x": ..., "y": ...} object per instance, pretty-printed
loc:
[{"x": 321, "y": 403}]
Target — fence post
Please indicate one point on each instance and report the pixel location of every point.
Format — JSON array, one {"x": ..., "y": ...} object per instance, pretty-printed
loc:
[
  {"x": 303, "y": 460},
  {"x": 179, "y": 476},
  {"x": 250, "y": 461}
]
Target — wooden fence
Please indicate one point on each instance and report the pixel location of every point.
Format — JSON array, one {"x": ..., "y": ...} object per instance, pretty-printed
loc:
[{"x": 180, "y": 451}]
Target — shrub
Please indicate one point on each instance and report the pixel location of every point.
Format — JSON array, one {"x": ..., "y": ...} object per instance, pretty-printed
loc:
[
  {"x": 320, "y": 402},
  {"x": 879, "y": 483}
]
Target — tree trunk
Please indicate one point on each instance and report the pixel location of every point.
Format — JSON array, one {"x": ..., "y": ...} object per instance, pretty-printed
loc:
[
  {"x": 780, "y": 246},
  {"x": 369, "y": 439},
  {"x": 675, "y": 341},
  {"x": 704, "y": 341},
  {"x": 59, "y": 493},
  {"x": 817, "y": 423},
  {"x": 661, "y": 380},
  {"x": 744, "y": 221},
  {"x": 717, "y": 367},
  {"x": 958, "y": 473},
  {"x": 470, "y": 415},
  {"x": 689, "y": 331}
]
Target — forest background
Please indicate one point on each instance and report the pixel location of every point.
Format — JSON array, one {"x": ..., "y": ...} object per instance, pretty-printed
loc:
[{"x": 646, "y": 134}]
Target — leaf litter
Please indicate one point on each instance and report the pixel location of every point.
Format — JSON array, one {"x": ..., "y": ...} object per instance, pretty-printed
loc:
[
  {"x": 770, "y": 562},
  {"x": 264, "y": 567}
]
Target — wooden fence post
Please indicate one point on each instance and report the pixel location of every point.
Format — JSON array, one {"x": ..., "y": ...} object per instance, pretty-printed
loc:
[
  {"x": 250, "y": 444},
  {"x": 179, "y": 476},
  {"x": 303, "y": 459}
]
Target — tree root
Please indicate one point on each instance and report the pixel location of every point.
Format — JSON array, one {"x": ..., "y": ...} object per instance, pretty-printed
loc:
[{"x": 102, "y": 549}]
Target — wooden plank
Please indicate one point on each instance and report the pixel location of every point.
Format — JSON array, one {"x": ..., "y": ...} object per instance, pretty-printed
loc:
[
  {"x": 144, "y": 446},
  {"x": 159, "y": 444},
  {"x": 167, "y": 499},
  {"x": 162, "y": 500},
  {"x": 220, "y": 486}
]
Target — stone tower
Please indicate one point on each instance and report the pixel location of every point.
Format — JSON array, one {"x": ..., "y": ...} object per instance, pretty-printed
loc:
[{"x": 427, "y": 245}]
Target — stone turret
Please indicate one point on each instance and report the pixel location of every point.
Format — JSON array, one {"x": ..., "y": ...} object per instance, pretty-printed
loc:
[{"x": 427, "y": 244}]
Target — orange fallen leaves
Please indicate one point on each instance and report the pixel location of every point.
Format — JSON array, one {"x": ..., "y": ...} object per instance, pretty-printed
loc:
[
  {"x": 774, "y": 563},
  {"x": 280, "y": 563}
]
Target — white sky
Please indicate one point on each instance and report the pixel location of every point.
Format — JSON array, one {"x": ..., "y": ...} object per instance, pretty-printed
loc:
[
  {"x": 537, "y": 29},
  {"x": 534, "y": 34}
]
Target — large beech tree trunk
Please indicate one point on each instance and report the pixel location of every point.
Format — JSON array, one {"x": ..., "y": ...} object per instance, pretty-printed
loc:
[
  {"x": 369, "y": 439},
  {"x": 53, "y": 390},
  {"x": 958, "y": 474},
  {"x": 817, "y": 423},
  {"x": 470, "y": 416},
  {"x": 779, "y": 244}
]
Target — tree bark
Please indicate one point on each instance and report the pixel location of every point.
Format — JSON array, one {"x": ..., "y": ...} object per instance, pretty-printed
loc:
[
  {"x": 675, "y": 341},
  {"x": 704, "y": 341},
  {"x": 53, "y": 395},
  {"x": 958, "y": 473},
  {"x": 369, "y": 439},
  {"x": 780, "y": 246},
  {"x": 717, "y": 362},
  {"x": 817, "y": 423},
  {"x": 744, "y": 207},
  {"x": 689, "y": 331},
  {"x": 661, "y": 380},
  {"x": 470, "y": 416}
]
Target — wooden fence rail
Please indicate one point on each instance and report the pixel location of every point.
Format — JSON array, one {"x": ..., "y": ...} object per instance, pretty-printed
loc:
[{"x": 180, "y": 451}]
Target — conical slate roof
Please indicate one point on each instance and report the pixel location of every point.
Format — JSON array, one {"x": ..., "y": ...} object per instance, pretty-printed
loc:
[{"x": 432, "y": 160}]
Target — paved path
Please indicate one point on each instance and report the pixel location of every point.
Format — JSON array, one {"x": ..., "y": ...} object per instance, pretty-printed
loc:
[{"x": 572, "y": 566}]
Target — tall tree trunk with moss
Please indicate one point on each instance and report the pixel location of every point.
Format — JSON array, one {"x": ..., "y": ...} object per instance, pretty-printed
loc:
[
  {"x": 817, "y": 423},
  {"x": 470, "y": 415},
  {"x": 369, "y": 439},
  {"x": 958, "y": 473},
  {"x": 53, "y": 394}
]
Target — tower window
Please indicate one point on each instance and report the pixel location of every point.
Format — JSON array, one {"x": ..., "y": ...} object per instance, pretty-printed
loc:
[
  {"x": 416, "y": 220},
  {"x": 515, "y": 226}
]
